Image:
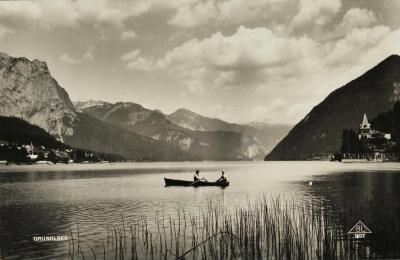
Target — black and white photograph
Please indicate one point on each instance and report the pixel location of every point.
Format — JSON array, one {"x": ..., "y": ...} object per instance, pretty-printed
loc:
[{"x": 199, "y": 129}]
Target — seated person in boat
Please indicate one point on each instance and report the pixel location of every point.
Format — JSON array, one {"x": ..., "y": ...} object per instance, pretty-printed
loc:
[
  {"x": 197, "y": 176},
  {"x": 222, "y": 178}
]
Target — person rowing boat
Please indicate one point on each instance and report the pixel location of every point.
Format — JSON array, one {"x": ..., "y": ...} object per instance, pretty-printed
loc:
[
  {"x": 191, "y": 183},
  {"x": 222, "y": 178},
  {"x": 198, "y": 180},
  {"x": 197, "y": 177}
]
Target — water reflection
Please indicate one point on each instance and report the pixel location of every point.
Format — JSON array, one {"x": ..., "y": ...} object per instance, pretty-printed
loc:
[
  {"x": 49, "y": 200},
  {"x": 371, "y": 197},
  {"x": 20, "y": 222}
]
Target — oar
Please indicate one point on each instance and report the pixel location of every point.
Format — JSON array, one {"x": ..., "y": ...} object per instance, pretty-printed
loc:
[
  {"x": 194, "y": 182},
  {"x": 197, "y": 182}
]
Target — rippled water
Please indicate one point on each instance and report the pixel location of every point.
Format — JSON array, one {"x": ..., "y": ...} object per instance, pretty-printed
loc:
[{"x": 48, "y": 200}]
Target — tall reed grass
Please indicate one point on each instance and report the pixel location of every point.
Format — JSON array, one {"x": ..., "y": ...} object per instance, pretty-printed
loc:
[{"x": 270, "y": 228}]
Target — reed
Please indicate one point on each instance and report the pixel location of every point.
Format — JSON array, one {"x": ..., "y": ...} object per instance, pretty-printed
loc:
[{"x": 269, "y": 228}]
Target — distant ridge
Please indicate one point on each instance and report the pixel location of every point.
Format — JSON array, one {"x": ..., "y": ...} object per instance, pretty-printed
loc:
[
  {"x": 207, "y": 145},
  {"x": 319, "y": 133},
  {"x": 268, "y": 135}
]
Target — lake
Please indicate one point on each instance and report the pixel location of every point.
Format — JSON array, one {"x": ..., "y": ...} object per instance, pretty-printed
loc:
[{"x": 51, "y": 199}]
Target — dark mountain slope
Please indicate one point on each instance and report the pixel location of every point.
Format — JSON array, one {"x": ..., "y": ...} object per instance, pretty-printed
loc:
[
  {"x": 15, "y": 130},
  {"x": 319, "y": 133},
  {"x": 389, "y": 122}
]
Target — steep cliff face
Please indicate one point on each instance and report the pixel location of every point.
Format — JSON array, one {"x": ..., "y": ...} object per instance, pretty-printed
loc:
[
  {"x": 28, "y": 91},
  {"x": 208, "y": 145},
  {"x": 319, "y": 133}
]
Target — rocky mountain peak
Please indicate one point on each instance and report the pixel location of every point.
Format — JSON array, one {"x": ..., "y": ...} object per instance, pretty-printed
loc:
[
  {"x": 82, "y": 105},
  {"x": 24, "y": 66},
  {"x": 28, "y": 91},
  {"x": 158, "y": 111},
  {"x": 129, "y": 105},
  {"x": 184, "y": 112},
  {"x": 41, "y": 66},
  {"x": 4, "y": 56}
]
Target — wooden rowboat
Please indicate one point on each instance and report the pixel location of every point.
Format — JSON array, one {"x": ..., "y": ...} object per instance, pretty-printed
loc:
[{"x": 173, "y": 182}]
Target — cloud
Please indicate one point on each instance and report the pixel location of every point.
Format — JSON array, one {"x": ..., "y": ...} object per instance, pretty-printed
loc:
[
  {"x": 351, "y": 47},
  {"x": 67, "y": 13},
  {"x": 296, "y": 71},
  {"x": 387, "y": 46},
  {"x": 127, "y": 35},
  {"x": 185, "y": 13},
  {"x": 66, "y": 58},
  {"x": 286, "y": 110},
  {"x": 352, "y": 19},
  {"x": 172, "y": 4},
  {"x": 135, "y": 61},
  {"x": 254, "y": 58},
  {"x": 4, "y": 31},
  {"x": 242, "y": 10},
  {"x": 244, "y": 58},
  {"x": 50, "y": 15},
  {"x": 88, "y": 55},
  {"x": 77, "y": 59},
  {"x": 357, "y": 17},
  {"x": 141, "y": 64},
  {"x": 131, "y": 55},
  {"x": 197, "y": 13},
  {"x": 260, "y": 111},
  {"x": 315, "y": 12}
]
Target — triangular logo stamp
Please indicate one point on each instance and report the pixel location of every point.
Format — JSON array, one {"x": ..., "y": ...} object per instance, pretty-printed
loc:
[{"x": 360, "y": 228}]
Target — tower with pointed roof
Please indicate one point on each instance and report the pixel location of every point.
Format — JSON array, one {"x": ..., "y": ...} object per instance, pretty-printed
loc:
[
  {"x": 365, "y": 128},
  {"x": 365, "y": 124}
]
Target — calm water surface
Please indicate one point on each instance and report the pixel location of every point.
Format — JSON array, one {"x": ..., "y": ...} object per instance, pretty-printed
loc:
[{"x": 48, "y": 200}]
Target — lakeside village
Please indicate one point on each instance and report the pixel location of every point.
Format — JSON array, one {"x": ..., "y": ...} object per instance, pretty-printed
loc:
[
  {"x": 366, "y": 145},
  {"x": 14, "y": 153}
]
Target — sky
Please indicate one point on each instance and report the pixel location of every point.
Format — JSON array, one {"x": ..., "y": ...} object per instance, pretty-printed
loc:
[{"x": 238, "y": 60}]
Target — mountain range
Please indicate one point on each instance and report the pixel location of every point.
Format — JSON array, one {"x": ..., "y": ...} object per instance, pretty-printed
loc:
[
  {"x": 319, "y": 133},
  {"x": 29, "y": 92},
  {"x": 267, "y": 135},
  {"x": 209, "y": 138}
]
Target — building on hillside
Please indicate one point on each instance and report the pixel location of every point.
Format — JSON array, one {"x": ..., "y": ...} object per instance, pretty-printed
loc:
[
  {"x": 366, "y": 145},
  {"x": 375, "y": 140},
  {"x": 367, "y": 132}
]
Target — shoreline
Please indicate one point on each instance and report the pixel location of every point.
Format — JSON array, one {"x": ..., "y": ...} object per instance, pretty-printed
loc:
[
  {"x": 190, "y": 165},
  {"x": 118, "y": 166}
]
